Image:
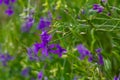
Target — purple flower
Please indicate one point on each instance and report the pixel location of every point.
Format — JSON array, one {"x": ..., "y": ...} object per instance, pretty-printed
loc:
[
  {"x": 98, "y": 8},
  {"x": 45, "y": 37},
  {"x": 116, "y": 78},
  {"x": 95, "y": 6},
  {"x": 98, "y": 50},
  {"x": 32, "y": 56},
  {"x": 100, "y": 58},
  {"x": 43, "y": 23},
  {"x": 84, "y": 52},
  {"x": 40, "y": 75},
  {"x": 57, "y": 49},
  {"x": 104, "y": 1},
  {"x": 1, "y": 2},
  {"x": 27, "y": 25},
  {"x": 4, "y": 58},
  {"x": 25, "y": 72},
  {"x": 36, "y": 47},
  {"x": 13, "y": 1},
  {"x": 9, "y": 11},
  {"x": 6, "y": 2}
]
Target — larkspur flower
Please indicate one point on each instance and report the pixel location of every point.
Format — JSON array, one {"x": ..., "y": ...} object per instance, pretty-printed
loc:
[
  {"x": 9, "y": 11},
  {"x": 84, "y": 52},
  {"x": 1, "y": 1},
  {"x": 6, "y": 2},
  {"x": 98, "y": 8},
  {"x": 104, "y": 1},
  {"x": 32, "y": 56},
  {"x": 98, "y": 50},
  {"x": 43, "y": 23},
  {"x": 116, "y": 78},
  {"x": 57, "y": 49},
  {"x": 100, "y": 57},
  {"x": 47, "y": 48},
  {"x": 9, "y": 2},
  {"x": 40, "y": 75},
  {"x": 45, "y": 39},
  {"x": 4, "y": 58},
  {"x": 95, "y": 6},
  {"x": 27, "y": 24},
  {"x": 13, "y": 1},
  {"x": 25, "y": 72}
]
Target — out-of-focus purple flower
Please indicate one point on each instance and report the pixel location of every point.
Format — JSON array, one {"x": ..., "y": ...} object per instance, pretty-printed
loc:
[
  {"x": 49, "y": 15},
  {"x": 40, "y": 75},
  {"x": 25, "y": 72},
  {"x": 95, "y": 6},
  {"x": 32, "y": 56},
  {"x": 109, "y": 14},
  {"x": 104, "y": 1},
  {"x": 1, "y": 2},
  {"x": 36, "y": 47},
  {"x": 100, "y": 58},
  {"x": 90, "y": 58},
  {"x": 57, "y": 49},
  {"x": 116, "y": 78},
  {"x": 9, "y": 11},
  {"x": 84, "y": 52},
  {"x": 27, "y": 25},
  {"x": 4, "y": 58},
  {"x": 43, "y": 23},
  {"x": 98, "y": 50},
  {"x": 98, "y": 8},
  {"x": 13, "y": 1},
  {"x": 45, "y": 37},
  {"x": 6, "y": 2}
]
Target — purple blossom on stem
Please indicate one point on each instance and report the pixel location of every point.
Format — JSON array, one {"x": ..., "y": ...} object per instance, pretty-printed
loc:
[
  {"x": 95, "y": 6},
  {"x": 13, "y": 1},
  {"x": 9, "y": 11},
  {"x": 4, "y": 58},
  {"x": 28, "y": 24},
  {"x": 57, "y": 49},
  {"x": 100, "y": 58},
  {"x": 32, "y": 56},
  {"x": 25, "y": 72},
  {"x": 1, "y": 2},
  {"x": 84, "y": 52},
  {"x": 6, "y": 2},
  {"x": 40, "y": 75},
  {"x": 104, "y": 1},
  {"x": 98, "y": 8},
  {"x": 98, "y": 50},
  {"x": 116, "y": 78},
  {"x": 43, "y": 23}
]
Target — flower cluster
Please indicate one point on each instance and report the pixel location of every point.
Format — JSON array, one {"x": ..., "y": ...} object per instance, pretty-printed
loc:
[
  {"x": 40, "y": 75},
  {"x": 9, "y": 5},
  {"x": 44, "y": 46},
  {"x": 4, "y": 58},
  {"x": 98, "y": 8},
  {"x": 85, "y": 52}
]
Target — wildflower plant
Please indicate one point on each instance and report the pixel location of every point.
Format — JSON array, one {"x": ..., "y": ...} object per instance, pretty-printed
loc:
[{"x": 59, "y": 40}]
